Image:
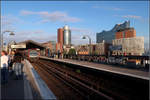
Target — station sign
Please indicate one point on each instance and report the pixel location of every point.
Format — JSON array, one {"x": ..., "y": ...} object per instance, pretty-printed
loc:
[{"x": 21, "y": 46}]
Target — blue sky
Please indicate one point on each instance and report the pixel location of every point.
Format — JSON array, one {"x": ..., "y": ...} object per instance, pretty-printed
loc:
[{"x": 39, "y": 20}]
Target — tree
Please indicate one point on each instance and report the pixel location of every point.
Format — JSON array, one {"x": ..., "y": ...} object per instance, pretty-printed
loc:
[{"x": 72, "y": 51}]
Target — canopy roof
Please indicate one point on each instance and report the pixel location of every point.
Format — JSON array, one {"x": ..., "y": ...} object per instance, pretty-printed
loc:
[{"x": 30, "y": 44}]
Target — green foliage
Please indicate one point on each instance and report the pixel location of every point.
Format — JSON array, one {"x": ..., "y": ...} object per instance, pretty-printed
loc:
[
  {"x": 78, "y": 71},
  {"x": 64, "y": 52},
  {"x": 72, "y": 51}
]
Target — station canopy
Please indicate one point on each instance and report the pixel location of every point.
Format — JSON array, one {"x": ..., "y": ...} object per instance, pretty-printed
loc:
[{"x": 30, "y": 44}]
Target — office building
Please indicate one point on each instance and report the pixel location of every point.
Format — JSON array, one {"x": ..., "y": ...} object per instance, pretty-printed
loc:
[
  {"x": 67, "y": 35},
  {"x": 63, "y": 39}
]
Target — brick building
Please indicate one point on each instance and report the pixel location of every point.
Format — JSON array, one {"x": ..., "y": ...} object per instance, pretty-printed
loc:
[
  {"x": 102, "y": 48},
  {"x": 60, "y": 40},
  {"x": 50, "y": 47},
  {"x": 126, "y": 33}
]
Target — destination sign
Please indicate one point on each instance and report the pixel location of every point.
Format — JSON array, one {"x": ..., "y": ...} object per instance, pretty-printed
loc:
[{"x": 18, "y": 46}]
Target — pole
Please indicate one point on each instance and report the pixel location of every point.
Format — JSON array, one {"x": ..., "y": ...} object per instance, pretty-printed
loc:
[
  {"x": 90, "y": 45},
  {"x": 2, "y": 41},
  {"x": 2, "y": 38}
]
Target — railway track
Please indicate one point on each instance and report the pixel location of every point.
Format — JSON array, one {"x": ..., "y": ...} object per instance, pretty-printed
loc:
[
  {"x": 77, "y": 88},
  {"x": 69, "y": 84}
]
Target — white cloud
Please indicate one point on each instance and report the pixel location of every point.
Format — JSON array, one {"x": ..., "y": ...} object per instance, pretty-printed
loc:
[
  {"x": 24, "y": 12},
  {"x": 132, "y": 16},
  {"x": 108, "y": 8},
  {"x": 82, "y": 30},
  {"x": 78, "y": 33},
  {"x": 77, "y": 37},
  {"x": 9, "y": 21},
  {"x": 5, "y": 21},
  {"x": 36, "y": 35},
  {"x": 56, "y": 16},
  {"x": 128, "y": 17}
]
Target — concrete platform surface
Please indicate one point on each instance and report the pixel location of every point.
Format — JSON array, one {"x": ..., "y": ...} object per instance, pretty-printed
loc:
[
  {"x": 109, "y": 68},
  {"x": 16, "y": 89}
]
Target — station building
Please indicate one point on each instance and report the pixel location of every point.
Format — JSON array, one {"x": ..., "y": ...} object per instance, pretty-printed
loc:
[{"x": 30, "y": 44}]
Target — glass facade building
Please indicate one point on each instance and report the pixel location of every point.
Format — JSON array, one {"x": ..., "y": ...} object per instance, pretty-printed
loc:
[
  {"x": 67, "y": 35},
  {"x": 108, "y": 36}
]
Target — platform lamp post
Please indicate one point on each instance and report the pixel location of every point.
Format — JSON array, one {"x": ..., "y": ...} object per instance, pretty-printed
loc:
[
  {"x": 86, "y": 36},
  {"x": 2, "y": 38}
]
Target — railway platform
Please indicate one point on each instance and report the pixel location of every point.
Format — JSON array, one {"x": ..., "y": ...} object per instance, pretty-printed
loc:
[
  {"x": 16, "y": 89},
  {"x": 30, "y": 87},
  {"x": 106, "y": 68},
  {"x": 113, "y": 82}
]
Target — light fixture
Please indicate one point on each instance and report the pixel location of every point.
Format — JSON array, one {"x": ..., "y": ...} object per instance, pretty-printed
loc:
[
  {"x": 83, "y": 37},
  {"x": 12, "y": 33}
]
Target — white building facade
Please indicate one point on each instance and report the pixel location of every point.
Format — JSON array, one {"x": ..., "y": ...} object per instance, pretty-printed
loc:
[{"x": 129, "y": 46}]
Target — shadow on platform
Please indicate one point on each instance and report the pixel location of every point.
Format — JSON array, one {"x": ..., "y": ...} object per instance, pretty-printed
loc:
[{"x": 14, "y": 89}]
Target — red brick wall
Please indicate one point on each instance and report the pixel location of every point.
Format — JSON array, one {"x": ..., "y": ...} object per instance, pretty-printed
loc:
[
  {"x": 128, "y": 33},
  {"x": 60, "y": 38},
  {"x": 119, "y": 35}
]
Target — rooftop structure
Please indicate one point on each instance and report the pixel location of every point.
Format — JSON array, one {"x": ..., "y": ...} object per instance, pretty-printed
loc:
[{"x": 30, "y": 44}]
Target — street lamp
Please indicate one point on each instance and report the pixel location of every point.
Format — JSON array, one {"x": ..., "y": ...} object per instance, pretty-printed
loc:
[
  {"x": 84, "y": 37},
  {"x": 11, "y": 33}
]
